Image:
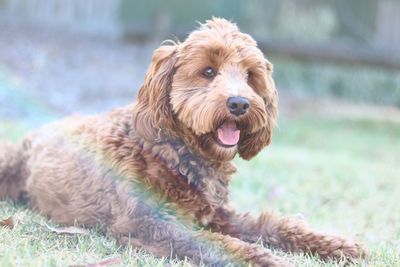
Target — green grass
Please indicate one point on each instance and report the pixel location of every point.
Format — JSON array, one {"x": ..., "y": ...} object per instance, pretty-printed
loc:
[{"x": 341, "y": 174}]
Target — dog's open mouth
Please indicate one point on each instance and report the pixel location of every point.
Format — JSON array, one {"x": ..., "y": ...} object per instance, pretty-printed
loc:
[{"x": 228, "y": 134}]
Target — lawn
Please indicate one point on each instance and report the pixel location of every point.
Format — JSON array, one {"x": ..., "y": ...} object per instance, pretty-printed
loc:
[{"x": 341, "y": 173}]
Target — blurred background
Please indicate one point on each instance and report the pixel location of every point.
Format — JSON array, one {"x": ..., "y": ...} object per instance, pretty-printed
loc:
[
  {"x": 336, "y": 151},
  {"x": 58, "y": 57}
]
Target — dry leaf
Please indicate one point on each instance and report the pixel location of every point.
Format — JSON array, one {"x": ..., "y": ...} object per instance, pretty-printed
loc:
[
  {"x": 8, "y": 223},
  {"x": 71, "y": 230},
  {"x": 103, "y": 263}
]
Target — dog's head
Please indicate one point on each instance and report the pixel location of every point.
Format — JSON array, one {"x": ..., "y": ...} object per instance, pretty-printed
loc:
[{"x": 215, "y": 91}]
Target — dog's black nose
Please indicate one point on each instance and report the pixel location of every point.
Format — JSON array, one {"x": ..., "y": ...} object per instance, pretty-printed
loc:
[{"x": 238, "y": 105}]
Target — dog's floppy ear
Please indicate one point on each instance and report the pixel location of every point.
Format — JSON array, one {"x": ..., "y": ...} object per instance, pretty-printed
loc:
[
  {"x": 251, "y": 144},
  {"x": 153, "y": 99}
]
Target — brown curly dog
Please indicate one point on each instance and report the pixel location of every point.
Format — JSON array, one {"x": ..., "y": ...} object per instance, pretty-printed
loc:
[{"x": 155, "y": 174}]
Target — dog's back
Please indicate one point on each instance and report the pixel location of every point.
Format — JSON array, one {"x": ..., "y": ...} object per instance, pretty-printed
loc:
[{"x": 16, "y": 164}]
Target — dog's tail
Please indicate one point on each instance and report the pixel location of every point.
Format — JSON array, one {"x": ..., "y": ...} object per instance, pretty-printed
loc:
[{"x": 12, "y": 171}]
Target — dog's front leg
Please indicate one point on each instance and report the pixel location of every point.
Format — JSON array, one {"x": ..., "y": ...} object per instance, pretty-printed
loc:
[
  {"x": 286, "y": 233},
  {"x": 164, "y": 236}
]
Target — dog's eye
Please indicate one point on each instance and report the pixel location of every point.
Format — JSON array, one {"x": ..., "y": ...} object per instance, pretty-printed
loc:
[
  {"x": 209, "y": 72},
  {"x": 249, "y": 75}
]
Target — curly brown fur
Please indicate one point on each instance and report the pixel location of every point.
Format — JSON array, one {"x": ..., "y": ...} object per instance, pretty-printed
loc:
[{"x": 156, "y": 174}]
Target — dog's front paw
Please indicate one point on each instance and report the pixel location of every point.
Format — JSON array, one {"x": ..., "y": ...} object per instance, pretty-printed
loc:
[{"x": 341, "y": 249}]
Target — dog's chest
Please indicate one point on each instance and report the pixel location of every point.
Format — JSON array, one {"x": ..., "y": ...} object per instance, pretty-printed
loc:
[
  {"x": 193, "y": 186},
  {"x": 169, "y": 173}
]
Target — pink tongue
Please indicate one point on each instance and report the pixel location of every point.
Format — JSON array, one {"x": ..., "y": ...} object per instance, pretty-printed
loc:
[{"x": 228, "y": 134}]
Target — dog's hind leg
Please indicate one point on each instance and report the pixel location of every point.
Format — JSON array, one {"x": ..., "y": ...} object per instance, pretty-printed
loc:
[{"x": 12, "y": 171}]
